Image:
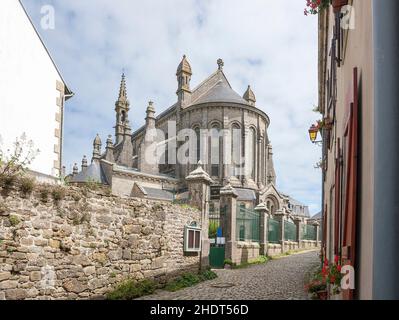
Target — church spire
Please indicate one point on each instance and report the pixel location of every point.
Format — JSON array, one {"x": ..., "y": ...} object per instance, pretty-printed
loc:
[
  {"x": 122, "y": 110},
  {"x": 184, "y": 74},
  {"x": 122, "y": 90}
]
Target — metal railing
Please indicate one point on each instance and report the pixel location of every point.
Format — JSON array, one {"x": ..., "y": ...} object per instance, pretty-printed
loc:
[
  {"x": 274, "y": 229},
  {"x": 290, "y": 232},
  {"x": 309, "y": 232},
  {"x": 247, "y": 225}
]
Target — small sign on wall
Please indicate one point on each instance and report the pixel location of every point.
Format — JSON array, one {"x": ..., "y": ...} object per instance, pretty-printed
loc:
[{"x": 221, "y": 241}]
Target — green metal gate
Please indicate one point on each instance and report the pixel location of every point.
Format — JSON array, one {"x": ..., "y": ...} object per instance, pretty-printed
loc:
[{"x": 216, "y": 236}]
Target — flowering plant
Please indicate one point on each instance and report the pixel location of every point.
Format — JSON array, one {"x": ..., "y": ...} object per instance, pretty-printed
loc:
[
  {"x": 332, "y": 274},
  {"x": 317, "y": 286},
  {"x": 328, "y": 274},
  {"x": 315, "y": 6}
]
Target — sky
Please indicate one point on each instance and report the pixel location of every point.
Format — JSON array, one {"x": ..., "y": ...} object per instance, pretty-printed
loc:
[{"x": 268, "y": 44}]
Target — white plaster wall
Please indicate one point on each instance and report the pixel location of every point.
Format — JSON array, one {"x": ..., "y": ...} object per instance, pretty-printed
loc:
[{"x": 27, "y": 86}]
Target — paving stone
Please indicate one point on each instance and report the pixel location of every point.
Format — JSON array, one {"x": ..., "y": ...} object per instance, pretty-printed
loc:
[{"x": 281, "y": 279}]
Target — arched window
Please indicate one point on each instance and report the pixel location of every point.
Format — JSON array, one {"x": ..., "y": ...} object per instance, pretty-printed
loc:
[
  {"x": 236, "y": 150},
  {"x": 123, "y": 118},
  {"x": 166, "y": 149},
  {"x": 215, "y": 145},
  {"x": 198, "y": 146},
  {"x": 251, "y": 156}
]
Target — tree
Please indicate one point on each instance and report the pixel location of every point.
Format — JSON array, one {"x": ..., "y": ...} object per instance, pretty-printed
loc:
[{"x": 14, "y": 163}]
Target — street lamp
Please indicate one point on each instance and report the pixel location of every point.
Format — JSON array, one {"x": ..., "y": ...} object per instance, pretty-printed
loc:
[{"x": 313, "y": 132}]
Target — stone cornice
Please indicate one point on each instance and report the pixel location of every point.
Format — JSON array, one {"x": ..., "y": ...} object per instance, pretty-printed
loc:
[
  {"x": 144, "y": 176},
  {"x": 228, "y": 105}
]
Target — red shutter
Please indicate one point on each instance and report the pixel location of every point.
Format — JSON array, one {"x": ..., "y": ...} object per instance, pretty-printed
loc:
[
  {"x": 337, "y": 221},
  {"x": 349, "y": 233},
  {"x": 324, "y": 243}
]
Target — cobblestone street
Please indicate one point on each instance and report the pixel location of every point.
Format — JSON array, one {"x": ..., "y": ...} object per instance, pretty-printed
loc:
[{"x": 280, "y": 279}]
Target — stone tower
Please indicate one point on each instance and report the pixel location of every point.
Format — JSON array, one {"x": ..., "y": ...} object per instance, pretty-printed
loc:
[
  {"x": 122, "y": 110},
  {"x": 146, "y": 165},
  {"x": 97, "y": 148},
  {"x": 184, "y": 74}
]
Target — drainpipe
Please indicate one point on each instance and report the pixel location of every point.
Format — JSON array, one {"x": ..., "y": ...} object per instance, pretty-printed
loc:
[
  {"x": 386, "y": 150},
  {"x": 65, "y": 98}
]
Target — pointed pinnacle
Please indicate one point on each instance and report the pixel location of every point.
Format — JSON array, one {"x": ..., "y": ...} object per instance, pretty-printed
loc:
[{"x": 122, "y": 90}]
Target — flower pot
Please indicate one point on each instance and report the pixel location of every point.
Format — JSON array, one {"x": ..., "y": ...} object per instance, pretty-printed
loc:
[
  {"x": 322, "y": 295},
  {"x": 338, "y": 4},
  {"x": 335, "y": 297}
]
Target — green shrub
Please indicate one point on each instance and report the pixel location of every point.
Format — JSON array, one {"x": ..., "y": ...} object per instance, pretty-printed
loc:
[
  {"x": 58, "y": 193},
  {"x": 14, "y": 220},
  {"x": 213, "y": 228},
  {"x": 44, "y": 193},
  {"x": 189, "y": 279},
  {"x": 207, "y": 275},
  {"x": 130, "y": 290},
  {"x": 27, "y": 185},
  {"x": 3, "y": 207},
  {"x": 8, "y": 181},
  {"x": 259, "y": 260},
  {"x": 76, "y": 197},
  {"x": 92, "y": 184},
  {"x": 184, "y": 281},
  {"x": 229, "y": 262},
  {"x": 108, "y": 191}
]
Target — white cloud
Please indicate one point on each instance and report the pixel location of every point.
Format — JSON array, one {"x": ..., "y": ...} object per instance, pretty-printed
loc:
[{"x": 269, "y": 44}]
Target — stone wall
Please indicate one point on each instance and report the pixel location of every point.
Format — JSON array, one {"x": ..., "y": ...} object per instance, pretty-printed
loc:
[
  {"x": 245, "y": 252},
  {"x": 277, "y": 249},
  {"x": 85, "y": 244}
]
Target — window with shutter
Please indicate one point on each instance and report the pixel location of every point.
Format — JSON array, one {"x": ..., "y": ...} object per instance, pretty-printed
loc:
[{"x": 192, "y": 239}]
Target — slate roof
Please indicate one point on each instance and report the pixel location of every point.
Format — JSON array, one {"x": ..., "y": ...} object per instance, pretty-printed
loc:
[
  {"x": 297, "y": 205},
  {"x": 317, "y": 216},
  {"x": 221, "y": 92},
  {"x": 159, "y": 194},
  {"x": 245, "y": 194},
  {"x": 94, "y": 172}
]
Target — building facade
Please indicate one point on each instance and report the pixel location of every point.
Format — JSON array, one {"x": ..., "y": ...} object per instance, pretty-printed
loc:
[
  {"x": 32, "y": 90},
  {"x": 358, "y": 48}
]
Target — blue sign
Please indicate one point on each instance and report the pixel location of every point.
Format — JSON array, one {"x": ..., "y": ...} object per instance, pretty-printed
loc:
[{"x": 219, "y": 232}]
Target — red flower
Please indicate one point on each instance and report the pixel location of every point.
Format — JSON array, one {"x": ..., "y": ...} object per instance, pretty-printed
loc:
[
  {"x": 336, "y": 259},
  {"x": 339, "y": 268}
]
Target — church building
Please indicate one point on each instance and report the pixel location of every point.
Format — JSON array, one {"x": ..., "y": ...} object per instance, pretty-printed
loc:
[{"x": 213, "y": 111}]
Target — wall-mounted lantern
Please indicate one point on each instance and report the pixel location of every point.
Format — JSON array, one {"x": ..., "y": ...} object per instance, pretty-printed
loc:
[{"x": 313, "y": 132}]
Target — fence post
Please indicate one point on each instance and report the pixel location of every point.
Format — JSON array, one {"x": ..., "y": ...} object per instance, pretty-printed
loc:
[
  {"x": 317, "y": 225},
  {"x": 198, "y": 182},
  {"x": 228, "y": 200},
  {"x": 280, "y": 216},
  {"x": 298, "y": 223},
  {"x": 263, "y": 227}
]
